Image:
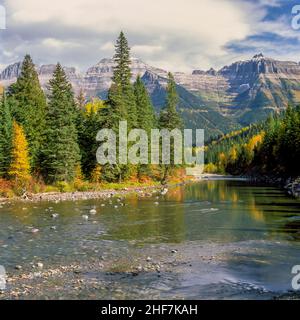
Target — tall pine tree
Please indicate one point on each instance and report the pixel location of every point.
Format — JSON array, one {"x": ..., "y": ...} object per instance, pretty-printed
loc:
[
  {"x": 146, "y": 119},
  {"x": 120, "y": 104},
  {"x": 122, "y": 78},
  {"x": 29, "y": 104},
  {"x": 170, "y": 119},
  {"x": 5, "y": 136},
  {"x": 60, "y": 152}
]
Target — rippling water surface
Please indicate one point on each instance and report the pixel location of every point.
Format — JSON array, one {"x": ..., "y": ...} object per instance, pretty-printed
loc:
[{"x": 214, "y": 239}]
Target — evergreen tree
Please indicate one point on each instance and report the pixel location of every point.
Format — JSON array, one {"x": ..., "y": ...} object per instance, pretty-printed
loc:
[
  {"x": 122, "y": 78},
  {"x": 91, "y": 123},
  {"x": 20, "y": 165},
  {"x": 120, "y": 105},
  {"x": 80, "y": 100},
  {"x": 145, "y": 112},
  {"x": 29, "y": 104},
  {"x": 5, "y": 136},
  {"x": 170, "y": 119},
  {"x": 60, "y": 151},
  {"x": 146, "y": 119}
]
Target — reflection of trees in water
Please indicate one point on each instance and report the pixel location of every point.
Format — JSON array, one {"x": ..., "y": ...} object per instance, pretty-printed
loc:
[
  {"x": 178, "y": 216},
  {"x": 246, "y": 208}
]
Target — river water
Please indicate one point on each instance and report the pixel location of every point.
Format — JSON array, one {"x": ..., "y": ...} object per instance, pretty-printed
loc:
[{"x": 210, "y": 240}]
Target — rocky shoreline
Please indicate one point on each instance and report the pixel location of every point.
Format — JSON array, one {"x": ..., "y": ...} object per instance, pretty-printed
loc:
[{"x": 146, "y": 191}]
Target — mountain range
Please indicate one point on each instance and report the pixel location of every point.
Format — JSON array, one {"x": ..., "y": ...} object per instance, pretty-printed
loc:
[{"x": 216, "y": 100}]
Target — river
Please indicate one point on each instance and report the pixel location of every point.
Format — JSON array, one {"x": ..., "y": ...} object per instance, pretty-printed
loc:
[{"x": 209, "y": 240}]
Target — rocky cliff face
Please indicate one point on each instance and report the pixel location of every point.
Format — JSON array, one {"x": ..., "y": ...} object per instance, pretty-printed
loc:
[
  {"x": 245, "y": 91},
  {"x": 97, "y": 79},
  {"x": 10, "y": 74}
]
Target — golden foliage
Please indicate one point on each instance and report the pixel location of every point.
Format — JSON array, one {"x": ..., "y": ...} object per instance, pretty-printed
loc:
[
  {"x": 20, "y": 166},
  {"x": 233, "y": 155},
  {"x": 210, "y": 168},
  {"x": 94, "y": 106},
  {"x": 255, "y": 141},
  {"x": 96, "y": 174}
]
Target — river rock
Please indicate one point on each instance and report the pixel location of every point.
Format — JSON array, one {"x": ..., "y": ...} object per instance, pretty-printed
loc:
[{"x": 40, "y": 265}]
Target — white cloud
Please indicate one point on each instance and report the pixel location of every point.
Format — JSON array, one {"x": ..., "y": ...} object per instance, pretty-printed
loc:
[{"x": 172, "y": 34}]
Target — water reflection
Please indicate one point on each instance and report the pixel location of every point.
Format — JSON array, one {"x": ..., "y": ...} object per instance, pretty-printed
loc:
[{"x": 256, "y": 227}]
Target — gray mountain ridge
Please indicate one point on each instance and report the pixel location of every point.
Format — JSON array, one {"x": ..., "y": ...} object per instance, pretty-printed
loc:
[{"x": 239, "y": 94}]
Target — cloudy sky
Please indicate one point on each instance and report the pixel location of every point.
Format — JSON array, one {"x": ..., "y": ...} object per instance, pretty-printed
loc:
[{"x": 177, "y": 35}]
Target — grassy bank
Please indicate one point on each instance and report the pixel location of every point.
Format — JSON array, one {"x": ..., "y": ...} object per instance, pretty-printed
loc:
[{"x": 81, "y": 189}]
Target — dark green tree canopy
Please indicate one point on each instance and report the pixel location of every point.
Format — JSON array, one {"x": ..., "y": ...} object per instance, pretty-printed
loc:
[
  {"x": 29, "y": 105},
  {"x": 5, "y": 136},
  {"x": 61, "y": 152},
  {"x": 169, "y": 117}
]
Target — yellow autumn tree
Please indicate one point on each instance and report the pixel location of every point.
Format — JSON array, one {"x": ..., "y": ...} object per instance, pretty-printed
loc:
[
  {"x": 96, "y": 174},
  {"x": 222, "y": 162},
  {"x": 255, "y": 141},
  {"x": 20, "y": 165},
  {"x": 233, "y": 155}
]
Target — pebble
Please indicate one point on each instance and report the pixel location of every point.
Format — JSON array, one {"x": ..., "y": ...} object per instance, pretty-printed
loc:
[
  {"x": 37, "y": 274},
  {"x": 174, "y": 251},
  {"x": 35, "y": 230},
  {"x": 85, "y": 217},
  {"x": 149, "y": 259},
  {"x": 156, "y": 203},
  {"x": 55, "y": 215},
  {"x": 40, "y": 265},
  {"x": 18, "y": 267},
  {"x": 93, "y": 211},
  {"x": 53, "y": 228}
]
